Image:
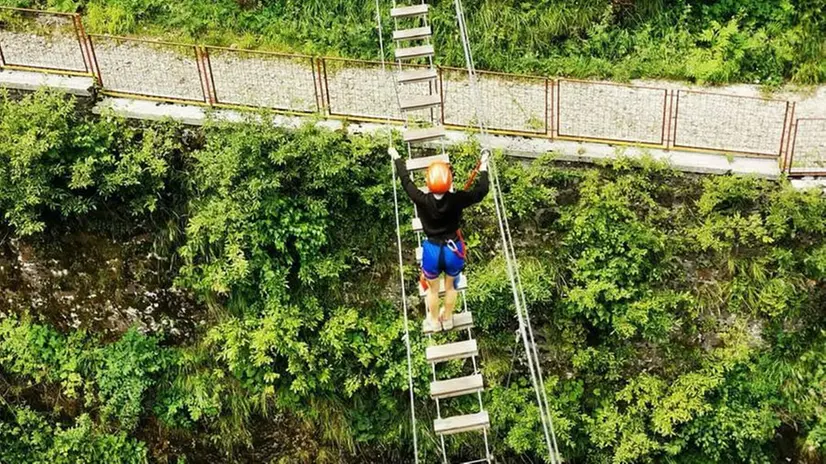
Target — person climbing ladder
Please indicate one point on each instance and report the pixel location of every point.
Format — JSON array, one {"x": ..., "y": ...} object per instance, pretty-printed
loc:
[{"x": 440, "y": 210}]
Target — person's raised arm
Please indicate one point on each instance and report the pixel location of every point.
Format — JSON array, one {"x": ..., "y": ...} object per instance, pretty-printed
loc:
[
  {"x": 410, "y": 188},
  {"x": 480, "y": 188}
]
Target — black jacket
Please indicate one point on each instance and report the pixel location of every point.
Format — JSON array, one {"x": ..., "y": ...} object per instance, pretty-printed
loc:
[{"x": 441, "y": 217}]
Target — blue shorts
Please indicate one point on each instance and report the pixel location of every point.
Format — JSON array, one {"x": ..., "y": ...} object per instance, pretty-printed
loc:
[{"x": 440, "y": 258}]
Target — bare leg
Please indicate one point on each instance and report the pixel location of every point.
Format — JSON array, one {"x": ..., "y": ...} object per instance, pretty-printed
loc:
[
  {"x": 433, "y": 299},
  {"x": 450, "y": 298}
]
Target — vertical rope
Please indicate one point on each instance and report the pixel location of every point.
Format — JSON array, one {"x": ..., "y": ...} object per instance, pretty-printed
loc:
[
  {"x": 511, "y": 271},
  {"x": 512, "y": 264},
  {"x": 401, "y": 264},
  {"x": 406, "y": 322}
]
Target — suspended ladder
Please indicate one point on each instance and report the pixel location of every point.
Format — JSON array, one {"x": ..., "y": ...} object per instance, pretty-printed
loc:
[{"x": 421, "y": 106}]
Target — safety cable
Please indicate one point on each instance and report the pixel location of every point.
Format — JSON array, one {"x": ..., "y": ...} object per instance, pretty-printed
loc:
[
  {"x": 528, "y": 341},
  {"x": 510, "y": 257},
  {"x": 511, "y": 271},
  {"x": 530, "y": 327},
  {"x": 401, "y": 263}
]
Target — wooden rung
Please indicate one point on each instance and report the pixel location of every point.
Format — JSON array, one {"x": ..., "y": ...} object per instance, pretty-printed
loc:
[
  {"x": 424, "y": 135},
  {"x": 421, "y": 102},
  {"x": 461, "y": 285},
  {"x": 409, "y": 11},
  {"x": 411, "y": 53},
  {"x": 410, "y": 76},
  {"x": 465, "y": 423},
  {"x": 449, "y": 351},
  {"x": 456, "y": 387},
  {"x": 422, "y": 162},
  {"x": 416, "y": 33},
  {"x": 461, "y": 321}
]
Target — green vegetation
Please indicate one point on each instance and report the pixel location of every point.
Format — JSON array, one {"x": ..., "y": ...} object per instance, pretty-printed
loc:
[
  {"x": 54, "y": 161},
  {"x": 753, "y": 41},
  {"x": 680, "y": 318}
]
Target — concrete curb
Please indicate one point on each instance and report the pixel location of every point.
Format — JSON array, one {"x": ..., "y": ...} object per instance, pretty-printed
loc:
[{"x": 30, "y": 81}]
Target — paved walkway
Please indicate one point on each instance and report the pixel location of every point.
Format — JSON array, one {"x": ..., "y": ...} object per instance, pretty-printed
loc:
[{"x": 708, "y": 163}]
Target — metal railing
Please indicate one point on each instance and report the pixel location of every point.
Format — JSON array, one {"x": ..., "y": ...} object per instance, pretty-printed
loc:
[
  {"x": 807, "y": 156},
  {"x": 730, "y": 123},
  {"x": 245, "y": 78},
  {"x": 608, "y": 112},
  {"x": 519, "y": 104},
  {"x": 357, "y": 90},
  {"x": 33, "y": 40},
  {"x": 175, "y": 71},
  {"x": 360, "y": 90}
]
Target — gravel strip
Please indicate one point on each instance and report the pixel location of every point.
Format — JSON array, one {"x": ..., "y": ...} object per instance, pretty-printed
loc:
[
  {"x": 730, "y": 123},
  {"x": 263, "y": 80},
  {"x": 364, "y": 90},
  {"x": 57, "y": 51},
  {"x": 611, "y": 112},
  {"x": 509, "y": 103},
  {"x": 149, "y": 69},
  {"x": 810, "y": 145}
]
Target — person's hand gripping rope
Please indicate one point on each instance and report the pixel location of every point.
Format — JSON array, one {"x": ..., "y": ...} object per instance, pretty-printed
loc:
[
  {"x": 394, "y": 154},
  {"x": 483, "y": 164}
]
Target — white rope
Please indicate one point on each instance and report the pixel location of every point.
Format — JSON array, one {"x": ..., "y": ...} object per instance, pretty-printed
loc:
[
  {"x": 384, "y": 71},
  {"x": 460, "y": 14},
  {"x": 406, "y": 321},
  {"x": 511, "y": 271},
  {"x": 530, "y": 327},
  {"x": 519, "y": 301},
  {"x": 401, "y": 266},
  {"x": 511, "y": 261}
]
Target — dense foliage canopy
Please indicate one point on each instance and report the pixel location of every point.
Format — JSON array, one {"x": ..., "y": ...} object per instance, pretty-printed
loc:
[
  {"x": 680, "y": 318},
  {"x": 754, "y": 41}
]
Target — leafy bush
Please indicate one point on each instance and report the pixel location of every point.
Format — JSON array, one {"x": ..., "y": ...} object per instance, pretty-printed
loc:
[
  {"x": 40, "y": 354},
  {"x": 27, "y": 436},
  {"x": 678, "y": 318},
  {"x": 125, "y": 375},
  {"x": 54, "y": 161}
]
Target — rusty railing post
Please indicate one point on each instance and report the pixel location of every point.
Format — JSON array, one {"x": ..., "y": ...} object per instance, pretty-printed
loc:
[
  {"x": 205, "y": 71},
  {"x": 788, "y": 123},
  {"x": 548, "y": 103}
]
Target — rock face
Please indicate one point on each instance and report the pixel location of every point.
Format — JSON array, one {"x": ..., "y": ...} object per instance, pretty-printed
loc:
[{"x": 83, "y": 280}]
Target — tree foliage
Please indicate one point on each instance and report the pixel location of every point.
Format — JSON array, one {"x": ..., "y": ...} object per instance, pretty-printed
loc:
[
  {"x": 54, "y": 162},
  {"x": 679, "y": 318}
]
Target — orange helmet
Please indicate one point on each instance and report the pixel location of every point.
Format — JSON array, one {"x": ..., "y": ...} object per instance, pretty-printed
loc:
[{"x": 438, "y": 177}]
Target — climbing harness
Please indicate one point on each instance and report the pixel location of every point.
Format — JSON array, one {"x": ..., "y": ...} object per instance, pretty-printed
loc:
[{"x": 458, "y": 251}]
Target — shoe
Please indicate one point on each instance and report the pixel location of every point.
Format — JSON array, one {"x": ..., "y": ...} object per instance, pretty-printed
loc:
[
  {"x": 447, "y": 324},
  {"x": 430, "y": 326}
]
